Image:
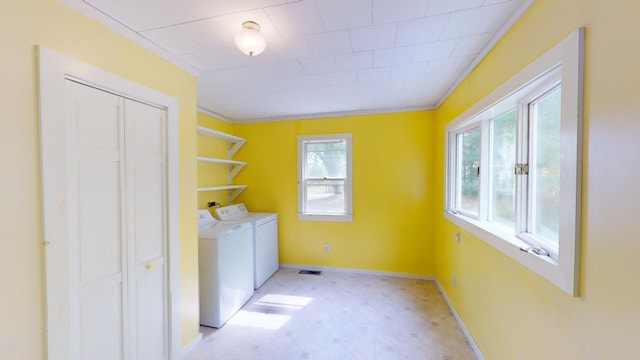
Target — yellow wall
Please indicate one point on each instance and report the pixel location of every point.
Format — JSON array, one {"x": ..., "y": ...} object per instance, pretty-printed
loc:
[
  {"x": 511, "y": 312},
  {"x": 391, "y": 197},
  {"x": 23, "y": 24}
]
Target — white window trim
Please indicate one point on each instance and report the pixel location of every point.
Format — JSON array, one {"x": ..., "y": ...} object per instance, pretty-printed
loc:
[
  {"x": 348, "y": 187},
  {"x": 568, "y": 57}
]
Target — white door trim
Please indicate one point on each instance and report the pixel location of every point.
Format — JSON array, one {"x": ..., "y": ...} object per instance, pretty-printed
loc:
[{"x": 53, "y": 70}]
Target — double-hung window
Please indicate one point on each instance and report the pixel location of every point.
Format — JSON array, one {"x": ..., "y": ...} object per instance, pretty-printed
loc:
[
  {"x": 324, "y": 177},
  {"x": 513, "y": 165}
]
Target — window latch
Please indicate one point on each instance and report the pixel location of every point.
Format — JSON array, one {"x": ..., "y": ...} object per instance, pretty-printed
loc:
[
  {"x": 521, "y": 169},
  {"x": 536, "y": 250}
]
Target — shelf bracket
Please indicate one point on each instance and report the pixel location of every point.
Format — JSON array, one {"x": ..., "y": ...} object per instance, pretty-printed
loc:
[
  {"x": 234, "y": 170},
  {"x": 233, "y": 194},
  {"x": 233, "y": 147}
]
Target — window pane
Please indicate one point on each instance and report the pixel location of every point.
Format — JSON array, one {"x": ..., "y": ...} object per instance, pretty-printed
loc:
[
  {"x": 326, "y": 159},
  {"x": 544, "y": 172},
  {"x": 503, "y": 156},
  {"x": 469, "y": 171},
  {"x": 325, "y": 197}
]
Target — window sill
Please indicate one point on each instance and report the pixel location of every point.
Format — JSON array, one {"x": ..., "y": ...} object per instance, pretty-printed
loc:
[
  {"x": 324, "y": 217},
  {"x": 512, "y": 246}
]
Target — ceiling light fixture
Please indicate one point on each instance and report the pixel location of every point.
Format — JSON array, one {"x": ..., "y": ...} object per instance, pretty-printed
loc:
[{"x": 249, "y": 40}]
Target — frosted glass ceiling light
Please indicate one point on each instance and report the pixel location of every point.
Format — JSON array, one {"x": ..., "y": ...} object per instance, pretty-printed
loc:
[{"x": 249, "y": 40}]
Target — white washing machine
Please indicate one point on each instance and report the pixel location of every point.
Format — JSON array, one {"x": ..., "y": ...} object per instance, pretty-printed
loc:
[
  {"x": 225, "y": 268},
  {"x": 265, "y": 239}
]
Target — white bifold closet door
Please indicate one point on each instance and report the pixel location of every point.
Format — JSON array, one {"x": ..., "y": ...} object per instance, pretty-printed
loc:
[{"x": 116, "y": 303}]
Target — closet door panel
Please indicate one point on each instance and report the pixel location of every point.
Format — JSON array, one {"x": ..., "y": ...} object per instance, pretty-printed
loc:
[
  {"x": 149, "y": 329},
  {"x": 95, "y": 189},
  {"x": 146, "y": 199},
  {"x": 148, "y": 210},
  {"x": 102, "y": 336},
  {"x": 99, "y": 225}
]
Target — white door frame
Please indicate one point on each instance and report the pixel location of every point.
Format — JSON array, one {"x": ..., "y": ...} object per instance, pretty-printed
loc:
[{"x": 53, "y": 70}]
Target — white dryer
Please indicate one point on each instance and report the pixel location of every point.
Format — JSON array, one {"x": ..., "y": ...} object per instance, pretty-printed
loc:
[
  {"x": 225, "y": 268},
  {"x": 265, "y": 239}
]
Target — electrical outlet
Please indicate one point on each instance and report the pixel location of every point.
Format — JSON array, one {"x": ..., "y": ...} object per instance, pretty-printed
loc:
[
  {"x": 326, "y": 248},
  {"x": 454, "y": 281},
  {"x": 458, "y": 237}
]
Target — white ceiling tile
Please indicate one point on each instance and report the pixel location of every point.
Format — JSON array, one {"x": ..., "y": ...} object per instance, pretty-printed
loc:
[
  {"x": 176, "y": 40},
  {"x": 357, "y": 60},
  {"x": 471, "y": 45},
  {"x": 319, "y": 65},
  {"x": 289, "y": 48},
  {"x": 409, "y": 98},
  {"x": 448, "y": 6},
  {"x": 301, "y": 108},
  {"x": 130, "y": 13},
  {"x": 478, "y": 21},
  {"x": 392, "y": 56},
  {"x": 313, "y": 81},
  {"x": 448, "y": 70},
  {"x": 375, "y": 74},
  {"x": 344, "y": 14},
  {"x": 387, "y": 99},
  {"x": 269, "y": 86},
  {"x": 385, "y": 11},
  {"x": 208, "y": 92},
  {"x": 348, "y": 102},
  {"x": 331, "y": 43},
  {"x": 284, "y": 69},
  {"x": 414, "y": 99},
  {"x": 221, "y": 7},
  {"x": 436, "y": 50},
  {"x": 244, "y": 74},
  {"x": 373, "y": 37},
  {"x": 367, "y": 100},
  {"x": 424, "y": 30},
  {"x": 143, "y": 15},
  {"x": 491, "y": 2},
  {"x": 296, "y": 19},
  {"x": 213, "y": 79},
  {"x": 332, "y": 91},
  {"x": 298, "y": 94},
  {"x": 343, "y": 78},
  {"x": 408, "y": 71},
  {"x": 223, "y": 58},
  {"x": 209, "y": 33},
  {"x": 362, "y": 87},
  {"x": 358, "y": 88},
  {"x": 389, "y": 85}
]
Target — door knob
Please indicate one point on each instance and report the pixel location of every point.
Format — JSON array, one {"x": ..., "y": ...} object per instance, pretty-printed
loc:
[{"x": 149, "y": 266}]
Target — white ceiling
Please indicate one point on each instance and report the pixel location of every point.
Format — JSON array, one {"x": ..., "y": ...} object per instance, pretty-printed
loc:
[{"x": 322, "y": 57}]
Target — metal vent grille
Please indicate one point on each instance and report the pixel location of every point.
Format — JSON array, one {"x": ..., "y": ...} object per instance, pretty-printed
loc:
[{"x": 310, "y": 272}]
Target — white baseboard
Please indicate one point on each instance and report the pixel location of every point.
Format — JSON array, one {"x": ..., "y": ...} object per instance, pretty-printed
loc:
[
  {"x": 185, "y": 350},
  {"x": 357, "y": 271},
  {"x": 465, "y": 331}
]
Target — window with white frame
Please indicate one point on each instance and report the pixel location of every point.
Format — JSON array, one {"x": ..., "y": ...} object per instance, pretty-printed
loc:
[
  {"x": 514, "y": 165},
  {"x": 324, "y": 177}
]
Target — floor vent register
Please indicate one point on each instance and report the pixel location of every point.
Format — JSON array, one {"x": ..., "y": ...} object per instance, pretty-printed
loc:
[{"x": 310, "y": 272}]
